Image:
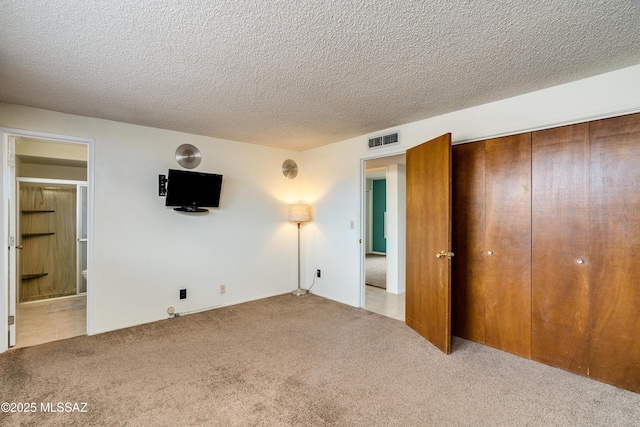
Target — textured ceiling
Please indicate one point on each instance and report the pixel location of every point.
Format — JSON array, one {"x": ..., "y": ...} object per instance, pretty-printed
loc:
[{"x": 299, "y": 74}]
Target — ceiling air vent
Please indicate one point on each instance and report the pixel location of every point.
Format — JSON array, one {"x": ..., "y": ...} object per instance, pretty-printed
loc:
[{"x": 380, "y": 141}]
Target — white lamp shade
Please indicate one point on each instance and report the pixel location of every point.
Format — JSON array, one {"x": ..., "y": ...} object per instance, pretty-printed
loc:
[{"x": 299, "y": 213}]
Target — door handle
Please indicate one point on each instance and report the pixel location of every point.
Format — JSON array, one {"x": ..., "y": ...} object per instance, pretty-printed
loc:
[
  {"x": 443, "y": 254},
  {"x": 19, "y": 247}
]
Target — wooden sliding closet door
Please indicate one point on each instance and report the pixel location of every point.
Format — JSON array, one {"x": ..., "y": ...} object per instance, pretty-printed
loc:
[
  {"x": 468, "y": 235},
  {"x": 614, "y": 355},
  {"x": 508, "y": 240},
  {"x": 560, "y": 233}
]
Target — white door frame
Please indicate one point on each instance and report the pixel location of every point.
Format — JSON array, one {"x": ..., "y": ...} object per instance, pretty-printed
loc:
[
  {"x": 10, "y": 212},
  {"x": 7, "y": 274}
]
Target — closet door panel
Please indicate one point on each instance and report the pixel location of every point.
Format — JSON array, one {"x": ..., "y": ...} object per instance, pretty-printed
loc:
[
  {"x": 614, "y": 355},
  {"x": 560, "y": 246},
  {"x": 468, "y": 234},
  {"x": 508, "y": 238}
]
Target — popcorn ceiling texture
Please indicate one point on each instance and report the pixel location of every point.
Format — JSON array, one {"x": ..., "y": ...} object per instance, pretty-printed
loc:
[{"x": 300, "y": 74}]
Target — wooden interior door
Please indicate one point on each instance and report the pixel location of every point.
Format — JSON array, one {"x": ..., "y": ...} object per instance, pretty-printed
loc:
[
  {"x": 508, "y": 238},
  {"x": 614, "y": 355},
  {"x": 469, "y": 246},
  {"x": 428, "y": 280},
  {"x": 560, "y": 247}
]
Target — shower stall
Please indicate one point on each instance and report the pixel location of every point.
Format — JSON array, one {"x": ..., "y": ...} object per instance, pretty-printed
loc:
[{"x": 52, "y": 224}]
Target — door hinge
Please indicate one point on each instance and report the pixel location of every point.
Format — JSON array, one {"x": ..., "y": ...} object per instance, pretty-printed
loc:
[
  {"x": 12, "y": 320},
  {"x": 11, "y": 161},
  {"x": 12, "y": 241}
]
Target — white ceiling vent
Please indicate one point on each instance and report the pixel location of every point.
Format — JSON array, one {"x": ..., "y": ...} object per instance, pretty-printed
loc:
[{"x": 381, "y": 141}]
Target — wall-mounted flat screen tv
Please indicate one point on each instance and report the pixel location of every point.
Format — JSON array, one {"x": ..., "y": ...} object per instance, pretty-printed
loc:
[{"x": 193, "y": 191}]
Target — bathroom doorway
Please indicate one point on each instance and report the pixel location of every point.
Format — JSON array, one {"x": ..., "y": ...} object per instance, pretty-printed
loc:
[{"x": 50, "y": 229}]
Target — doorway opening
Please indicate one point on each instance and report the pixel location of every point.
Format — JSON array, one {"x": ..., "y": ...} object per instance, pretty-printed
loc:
[
  {"x": 49, "y": 225},
  {"x": 383, "y": 249}
]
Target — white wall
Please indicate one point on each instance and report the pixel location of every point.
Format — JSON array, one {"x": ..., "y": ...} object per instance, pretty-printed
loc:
[
  {"x": 333, "y": 182},
  {"x": 331, "y": 185},
  {"x": 31, "y": 149},
  {"x": 34, "y": 170},
  {"x": 144, "y": 253},
  {"x": 51, "y": 150}
]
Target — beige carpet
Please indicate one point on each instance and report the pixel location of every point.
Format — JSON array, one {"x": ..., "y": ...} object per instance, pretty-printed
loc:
[{"x": 296, "y": 361}]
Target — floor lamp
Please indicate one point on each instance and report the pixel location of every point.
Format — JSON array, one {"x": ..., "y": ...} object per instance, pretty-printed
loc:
[{"x": 299, "y": 214}]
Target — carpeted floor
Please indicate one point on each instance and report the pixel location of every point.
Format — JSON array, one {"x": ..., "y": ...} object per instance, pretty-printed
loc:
[
  {"x": 376, "y": 270},
  {"x": 295, "y": 361}
]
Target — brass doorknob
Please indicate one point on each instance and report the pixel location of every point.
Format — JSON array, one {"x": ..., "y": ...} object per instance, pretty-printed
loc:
[{"x": 443, "y": 254}]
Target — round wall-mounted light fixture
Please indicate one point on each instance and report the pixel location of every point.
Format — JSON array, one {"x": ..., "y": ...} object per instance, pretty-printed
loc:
[
  {"x": 289, "y": 169},
  {"x": 188, "y": 156}
]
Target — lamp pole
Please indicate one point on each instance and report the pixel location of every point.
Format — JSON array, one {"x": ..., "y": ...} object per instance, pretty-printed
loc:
[
  {"x": 298, "y": 292},
  {"x": 299, "y": 213}
]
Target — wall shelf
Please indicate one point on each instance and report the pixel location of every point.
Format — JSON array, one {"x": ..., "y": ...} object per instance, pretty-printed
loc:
[
  {"x": 33, "y": 276},
  {"x": 37, "y": 234}
]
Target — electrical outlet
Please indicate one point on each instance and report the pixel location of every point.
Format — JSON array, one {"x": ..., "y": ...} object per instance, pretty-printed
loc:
[
  {"x": 183, "y": 294},
  {"x": 318, "y": 273},
  {"x": 223, "y": 289}
]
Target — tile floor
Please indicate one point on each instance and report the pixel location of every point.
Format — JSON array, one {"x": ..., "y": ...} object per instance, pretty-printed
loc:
[
  {"x": 382, "y": 302},
  {"x": 50, "y": 320}
]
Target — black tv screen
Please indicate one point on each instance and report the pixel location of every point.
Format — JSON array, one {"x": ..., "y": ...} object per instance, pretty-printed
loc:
[{"x": 193, "y": 190}]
